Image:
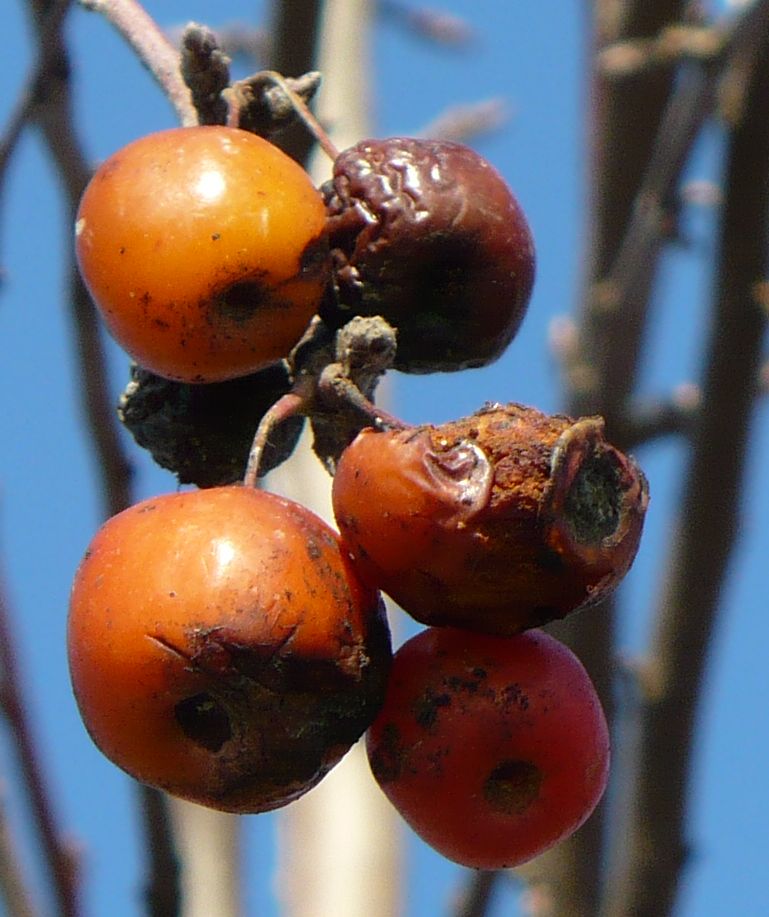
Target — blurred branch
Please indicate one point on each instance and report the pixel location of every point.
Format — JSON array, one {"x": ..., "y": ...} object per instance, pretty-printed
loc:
[
  {"x": 34, "y": 86},
  {"x": 60, "y": 859},
  {"x": 617, "y": 299},
  {"x": 209, "y": 842},
  {"x": 161, "y": 892},
  {"x": 55, "y": 118},
  {"x": 295, "y": 29},
  {"x": 476, "y": 896},
  {"x": 655, "y": 847},
  {"x": 338, "y": 846},
  {"x": 462, "y": 123},
  {"x": 431, "y": 24},
  {"x": 153, "y": 49},
  {"x": 623, "y": 123},
  {"x": 13, "y": 891},
  {"x": 650, "y": 420}
]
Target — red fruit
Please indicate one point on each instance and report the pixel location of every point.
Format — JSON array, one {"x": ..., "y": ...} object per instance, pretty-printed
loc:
[
  {"x": 222, "y": 649},
  {"x": 427, "y": 234},
  {"x": 205, "y": 250},
  {"x": 496, "y": 522},
  {"x": 492, "y": 749}
]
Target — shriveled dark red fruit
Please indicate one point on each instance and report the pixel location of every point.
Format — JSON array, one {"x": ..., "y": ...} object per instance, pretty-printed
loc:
[
  {"x": 496, "y": 522},
  {"x": 427, "y": 234},
  {"x": 203, "y": 433}
]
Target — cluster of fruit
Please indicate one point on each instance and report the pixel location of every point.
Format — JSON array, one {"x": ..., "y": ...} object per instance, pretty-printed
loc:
[{"x": 228, "y": 646}]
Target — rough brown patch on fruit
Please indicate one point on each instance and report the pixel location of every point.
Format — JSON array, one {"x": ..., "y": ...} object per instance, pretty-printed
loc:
[{"x": 512, "y": 787}]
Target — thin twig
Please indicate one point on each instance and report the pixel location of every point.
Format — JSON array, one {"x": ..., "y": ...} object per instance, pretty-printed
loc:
[
  {"x": 434, "y": 25},
  {"x": 462, "y": 123},
  {"x": 59, "y": 857},
  {"x": 153, "y": 49}
]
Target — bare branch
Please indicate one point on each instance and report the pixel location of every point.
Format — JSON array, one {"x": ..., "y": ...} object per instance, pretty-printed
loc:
[
  {"x": 625, "y": 120},
  {"x": 161, "y": 893},
  {"x": 60, "y": 859},
  {"x": 476, "y": 896},
  {"x": 431, "y": 24},
  {"x": 295, "y": 30},
  {"x": 153, "y": 49},
  {"x": 655, "y": 846},
  {"x": 461, "y": 123},
  {"x": 13, "y": 891},
  {"x": 55, "y": 117}
]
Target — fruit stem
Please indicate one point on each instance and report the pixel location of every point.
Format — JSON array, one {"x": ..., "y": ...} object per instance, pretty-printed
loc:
[
  {"x": 336, "y": 388},
  {"x": 305, "y": 115},
  {"x": 289, "y": 405}
]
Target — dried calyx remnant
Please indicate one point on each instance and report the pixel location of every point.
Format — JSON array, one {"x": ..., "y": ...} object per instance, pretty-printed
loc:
[
  {"x": 514, "y": 517},
  {"x": 203, "y": 433}
]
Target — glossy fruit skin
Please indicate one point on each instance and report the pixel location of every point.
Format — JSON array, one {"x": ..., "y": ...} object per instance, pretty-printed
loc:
[
  {"x": 497, "y": 522},
  {"x": 427, "y": 234},
  {"x": 222, "y": 649},
  {"x": 204, "y": 248},
  {"x": 493, "y": 749}
]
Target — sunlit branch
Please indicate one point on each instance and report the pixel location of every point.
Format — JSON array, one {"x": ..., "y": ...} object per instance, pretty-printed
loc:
[{"x": 153, "y": 49}]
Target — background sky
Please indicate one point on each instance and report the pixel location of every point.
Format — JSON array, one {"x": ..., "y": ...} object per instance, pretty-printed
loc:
[{"x": 531, "y": 53}]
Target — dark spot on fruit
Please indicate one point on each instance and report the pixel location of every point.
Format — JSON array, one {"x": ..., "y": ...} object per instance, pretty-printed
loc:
[
  {"x": 387, "y": 761},
  {"x": 512, "y": 787},
  {"x": 242, "y": 300},
  {"x": 512, "y": 695},
  {"x": 427, "y": 706},
  {"x": 204, "y": 721},
  {"x": 315, "y": 258}
]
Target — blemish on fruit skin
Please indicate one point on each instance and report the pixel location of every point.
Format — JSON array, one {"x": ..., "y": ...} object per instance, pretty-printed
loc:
[
  {"x": 512, "y": 787},
  {"x": 427, "y": 707},
  {"x": 389, "y": 761}
]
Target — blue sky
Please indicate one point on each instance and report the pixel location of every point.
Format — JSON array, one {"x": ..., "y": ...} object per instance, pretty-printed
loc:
[{"x": 531, "y": 53}]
